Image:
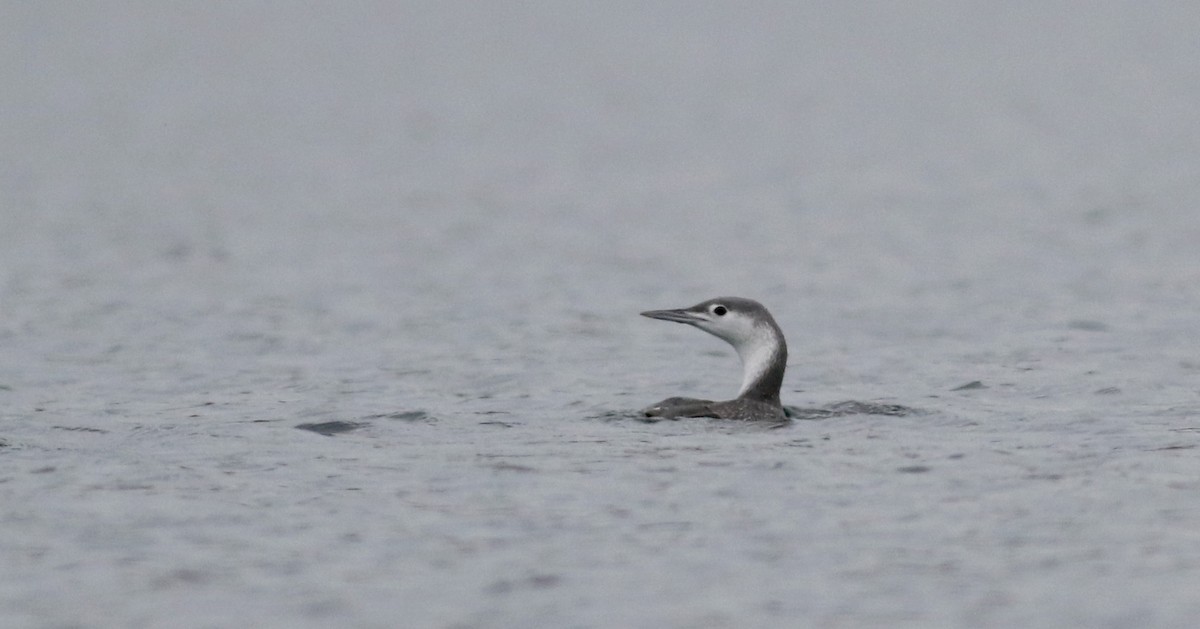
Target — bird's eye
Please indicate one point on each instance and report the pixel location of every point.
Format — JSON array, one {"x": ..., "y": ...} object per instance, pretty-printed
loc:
[{"x": 720, "y": 310}]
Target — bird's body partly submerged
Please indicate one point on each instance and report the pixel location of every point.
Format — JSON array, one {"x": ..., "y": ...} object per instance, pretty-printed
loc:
[{"x": 751, "y": 330}]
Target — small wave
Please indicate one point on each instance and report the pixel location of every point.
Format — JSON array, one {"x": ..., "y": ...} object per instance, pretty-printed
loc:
[{"x": 849, "y": 407}]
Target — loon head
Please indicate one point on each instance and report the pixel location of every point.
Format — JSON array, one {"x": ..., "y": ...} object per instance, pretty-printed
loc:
[{"x": 750, "y": 329}]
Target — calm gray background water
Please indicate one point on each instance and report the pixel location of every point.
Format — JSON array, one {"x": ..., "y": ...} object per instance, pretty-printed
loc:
[{"x": 439, "y": 220}]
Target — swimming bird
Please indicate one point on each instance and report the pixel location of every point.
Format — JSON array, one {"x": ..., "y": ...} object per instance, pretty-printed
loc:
[{"x": 751, "y": 330}]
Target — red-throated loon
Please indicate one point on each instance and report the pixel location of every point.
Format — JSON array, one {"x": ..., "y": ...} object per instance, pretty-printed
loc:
[{"x": 749, "y": 328}]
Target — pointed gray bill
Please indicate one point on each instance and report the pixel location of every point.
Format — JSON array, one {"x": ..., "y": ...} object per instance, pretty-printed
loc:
[{"x": 678, "y": 316}]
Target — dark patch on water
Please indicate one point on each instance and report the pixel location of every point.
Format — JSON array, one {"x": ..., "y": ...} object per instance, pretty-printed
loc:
[
  {"x": 970, "y": 386},
  {"x": 80, "y": 429},
  {"x": 407, "y": 416},
  {"x": 496, "y": 422},
  {"x": 182, "y": 577},
  {"x": 612, "y": 416},
  {"x": 541, "y": 581},
  {"x": 330, "y": 429},
  {"x": 535, "y": 582},
  {"x": 505, "y": 466},
  {"x": 849, "y": 407},
  {"x": 852, "y": 407},
  {"x": 1108, "y": 391},
  {"x": 1049, "y": 477},
  {"x": 913, "y": 469},
  {"x": 1088, "y": 325}
]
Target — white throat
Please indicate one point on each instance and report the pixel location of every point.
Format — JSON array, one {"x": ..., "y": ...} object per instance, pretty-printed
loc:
[{"x": 758, "y": 355}]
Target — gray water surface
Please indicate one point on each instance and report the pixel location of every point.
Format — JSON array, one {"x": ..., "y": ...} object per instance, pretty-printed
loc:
[{"x": 427, "y": 230}]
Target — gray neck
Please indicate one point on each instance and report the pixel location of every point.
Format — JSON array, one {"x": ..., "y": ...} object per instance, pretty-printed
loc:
[{"x": 764, "y": 359}]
